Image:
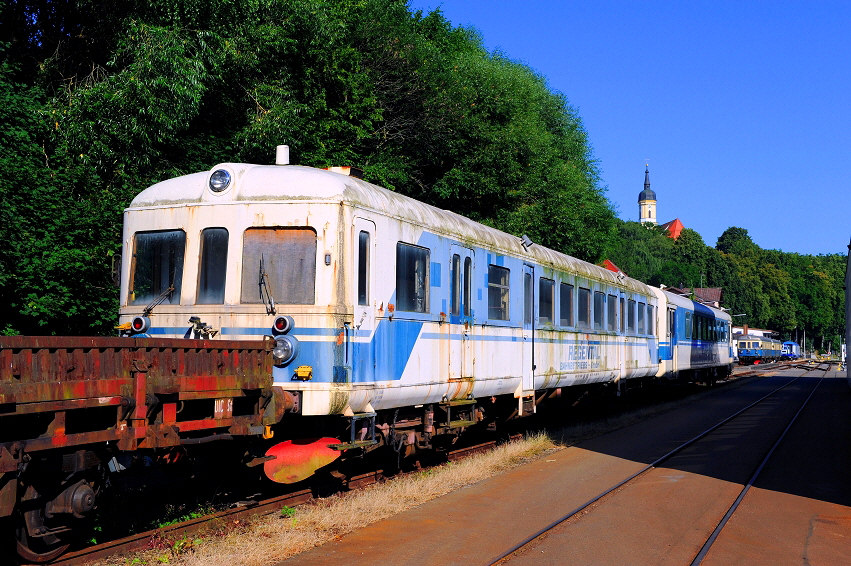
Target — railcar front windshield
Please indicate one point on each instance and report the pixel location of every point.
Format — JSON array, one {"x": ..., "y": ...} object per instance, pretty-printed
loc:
[
  {"x": 157, "y": 265},
  {"x": 282, "y": 259},
  {"x": 213, "y": 267}
]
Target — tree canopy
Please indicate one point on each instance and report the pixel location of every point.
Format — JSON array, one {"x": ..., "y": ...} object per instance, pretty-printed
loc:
[
  {"x": 102, "y": 98},
  {"x": 106, "y": 98},
  {"x": 791, "y": 293}
]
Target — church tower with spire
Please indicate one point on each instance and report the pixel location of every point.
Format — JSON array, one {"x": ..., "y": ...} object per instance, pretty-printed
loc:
[{"x": 647, "y": 201}]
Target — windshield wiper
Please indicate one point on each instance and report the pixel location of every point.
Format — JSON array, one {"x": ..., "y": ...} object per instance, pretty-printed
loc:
[
  {"x": 162, "y": 297},
  {"x": 264, "y": 289}
]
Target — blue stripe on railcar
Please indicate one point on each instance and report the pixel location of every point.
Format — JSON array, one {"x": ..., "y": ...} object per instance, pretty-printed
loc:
[{"x": 393, "y": 344}]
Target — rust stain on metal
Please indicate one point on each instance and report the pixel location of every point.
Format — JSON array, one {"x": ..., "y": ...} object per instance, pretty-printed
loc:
[{"x": 55, "y": 375}]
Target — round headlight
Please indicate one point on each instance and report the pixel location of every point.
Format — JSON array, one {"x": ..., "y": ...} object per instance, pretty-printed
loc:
[
  {"x": 283, "y": 324},
  {"x": 285, "y": 350},
  {"x": 219, "y": 180}
]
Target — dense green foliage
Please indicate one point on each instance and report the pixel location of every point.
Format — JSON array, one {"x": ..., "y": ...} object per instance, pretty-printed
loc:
[
  {"x": 102, "y": 98},
  {"x": 787, "y": 292}
]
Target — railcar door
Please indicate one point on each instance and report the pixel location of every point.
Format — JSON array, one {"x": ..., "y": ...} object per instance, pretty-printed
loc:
[
  {"x": 528, "y": 377},
  {"x": 462, "y": 330},
  {"x": 363, "y": 270},
  {"x": 671, "y": 337}
]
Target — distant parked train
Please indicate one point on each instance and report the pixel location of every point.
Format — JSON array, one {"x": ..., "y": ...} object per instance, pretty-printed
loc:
[
  {"x": 754, "y": 349},
  {"x": 790, "y": 351},
  {"x": 397, "y": 324}
]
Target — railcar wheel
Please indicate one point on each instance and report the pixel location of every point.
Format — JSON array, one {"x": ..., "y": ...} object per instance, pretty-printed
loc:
[{"x": 39, "y": 540}]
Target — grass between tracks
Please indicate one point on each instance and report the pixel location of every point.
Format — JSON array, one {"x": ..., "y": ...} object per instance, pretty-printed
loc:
[{"x": 267, "y": 539}]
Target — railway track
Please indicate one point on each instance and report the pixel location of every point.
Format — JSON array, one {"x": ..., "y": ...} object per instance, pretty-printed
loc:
[
  {"x": 246, "y": 510},
  {"x": 587, "y": 507},
  {"x": 242, "y": 512}
]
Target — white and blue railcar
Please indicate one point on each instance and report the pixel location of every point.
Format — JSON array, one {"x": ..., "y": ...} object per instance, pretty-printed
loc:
[
  {"x": 380, "y": 303},
  {"x": 695, "y": 340}
]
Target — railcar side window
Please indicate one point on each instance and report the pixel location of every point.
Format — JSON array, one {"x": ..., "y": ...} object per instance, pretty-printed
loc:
[
  {"x": 565, "y": 307},
  {"x": 363, "y": 268},
  {"x": 455, "y": 286},
  {"x": 565, "y": 304},
  {"x": 527, "y": 299},
  {"x": 630, "y": 316},
  {"x": 598, "y": 310},
  {"x": 611, "y": 308},
  {"x": 468, "y": 285},
  {"x": 412, "y": 278},
  {"x": 282, "y": 262},
  {"x": 213, "y": 268},
  {"x": 641, "y": 328},
  {"x": 157, "y": 265},
  {"x": 651, "y": 322},
  {"x": 546, "y": 300},
  {"x": 584, "y": 307},
  {"x": 498, "y": 292},
  {"x": 623, "y": 315}
]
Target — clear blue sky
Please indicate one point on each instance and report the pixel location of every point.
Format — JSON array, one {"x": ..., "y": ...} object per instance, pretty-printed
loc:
[{"x": 743, "y": 108}]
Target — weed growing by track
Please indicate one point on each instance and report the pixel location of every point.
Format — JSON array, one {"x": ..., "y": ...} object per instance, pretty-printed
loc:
[{"x": 282, "y": 534}]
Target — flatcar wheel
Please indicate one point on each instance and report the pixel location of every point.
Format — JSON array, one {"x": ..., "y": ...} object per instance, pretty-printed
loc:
[{"x": 43, "y": 548}]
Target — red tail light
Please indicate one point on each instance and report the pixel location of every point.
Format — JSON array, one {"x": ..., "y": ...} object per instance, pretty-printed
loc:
[
  {"x": 140, "y": 324},
  {"x": 283, "y": 324}
]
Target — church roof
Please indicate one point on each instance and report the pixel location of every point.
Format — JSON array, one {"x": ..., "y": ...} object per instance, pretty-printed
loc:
[
  {"x": 674, "y": 228},
  {"x": 610, "y": 265},
  {"x": 647, "y": 193}
]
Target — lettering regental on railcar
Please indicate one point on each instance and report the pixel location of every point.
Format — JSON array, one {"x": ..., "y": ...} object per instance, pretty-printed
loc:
[{"x": 581, "y": 357}]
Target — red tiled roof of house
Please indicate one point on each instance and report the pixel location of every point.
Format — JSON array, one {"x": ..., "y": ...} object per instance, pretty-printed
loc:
[
  {"x": 701, "y": 294},
  {"x": 707, "y": 294}
]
